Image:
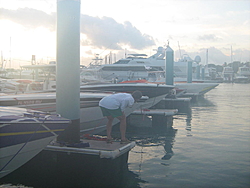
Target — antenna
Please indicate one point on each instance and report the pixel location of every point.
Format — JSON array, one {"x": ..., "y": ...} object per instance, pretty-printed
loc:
[
  {"x": 231, "y": 54},
  {"x": 179, "y": 49},
  {"x": 1, "y": 59},
  {"x": 10, "y": 53},
  {"x": 207, "y": 58}
]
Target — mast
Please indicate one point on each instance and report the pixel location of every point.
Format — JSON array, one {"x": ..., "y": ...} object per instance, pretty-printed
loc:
[
  {"x": 231, "y": 54},
  {"x": 207, "y": 58},
  {"x": 1, "y": 59},
  {"x": 179, "y": 49},
  {"x": 10, "y": 53}
]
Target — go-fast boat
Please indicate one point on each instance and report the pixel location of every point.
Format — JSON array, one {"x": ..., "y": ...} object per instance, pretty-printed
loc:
[{"x": 24, "y": 133}]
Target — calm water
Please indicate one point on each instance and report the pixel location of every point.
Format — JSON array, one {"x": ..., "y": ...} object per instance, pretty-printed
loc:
[{"x": 209, "y": 149}]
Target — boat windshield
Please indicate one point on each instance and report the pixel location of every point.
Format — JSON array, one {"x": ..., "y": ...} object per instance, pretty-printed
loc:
[{"x": 122, "y": 62}]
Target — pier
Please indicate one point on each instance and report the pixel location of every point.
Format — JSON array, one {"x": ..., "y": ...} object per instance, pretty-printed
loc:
[{"x": 96, "y": 164}]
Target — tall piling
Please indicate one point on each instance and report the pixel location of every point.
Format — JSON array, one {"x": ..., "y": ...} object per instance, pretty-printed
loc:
[
  {"x": 198, "y": 71},
  {"x": 203, "y": 73},
  {"x": 169, "y": 66},
  {"x": 68, "y": 67},
  {"x": 190, "y": 72}
]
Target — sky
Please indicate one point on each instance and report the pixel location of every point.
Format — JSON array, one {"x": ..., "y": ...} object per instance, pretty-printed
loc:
[{"x": 192, "y": 27}]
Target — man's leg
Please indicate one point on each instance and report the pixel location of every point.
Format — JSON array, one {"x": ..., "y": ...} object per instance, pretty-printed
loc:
[
  {"x": 109, "y": 127},
  {"x": 123, "y": 126}
]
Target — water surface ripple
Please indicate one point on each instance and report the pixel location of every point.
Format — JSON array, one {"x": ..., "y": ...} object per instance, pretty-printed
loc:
[{"x": 209, "y": 149}]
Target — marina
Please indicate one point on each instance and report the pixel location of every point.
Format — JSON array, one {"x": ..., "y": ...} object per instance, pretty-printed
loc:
[
  {"x": 140, "y": 122},
  {"x": 203, "y": 149}
]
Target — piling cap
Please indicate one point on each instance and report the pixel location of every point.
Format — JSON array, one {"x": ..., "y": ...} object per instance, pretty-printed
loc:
[{"x": 169, "y": 49}]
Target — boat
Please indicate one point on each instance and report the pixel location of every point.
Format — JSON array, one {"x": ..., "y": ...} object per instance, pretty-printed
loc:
[
  {"x": 243, "y": 75},
  {"x": 184, "y": 89},
  {"x": 91, "y": 118},
  {"x": 244, "y": 71},
  {"x": 147, "y": 89},
  {"x": 24, "y": 133},
  {"x": 241, "y": 79},
  {"x": 136, "y": 66},
  {"x": 197, "y": 89},
  {"x": 20, "y": 85},
  {"x": 228, "y": 74}
]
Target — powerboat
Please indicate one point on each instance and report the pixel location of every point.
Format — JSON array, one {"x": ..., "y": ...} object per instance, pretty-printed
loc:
[
  {"x": 228, "y": 74},
  {"x": 244, "y": 71},
  {"x": 136, "y": 66},
  {"x": 243, "y": 75},
  {"x": 91, "y": 118},
  {"x": 198, "y": 89},
  {"x": 24, "y": 133},
  {"x": 147, "y": 89},
  {"x": 184, "y": 89}
]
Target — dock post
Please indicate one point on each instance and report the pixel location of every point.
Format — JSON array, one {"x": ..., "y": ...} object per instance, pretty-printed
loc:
[
  {"x": 169, "y": 66},
  {"x": 189, "y": 78},
  {"x": 203, "y": 73},
  {"x": 68, "y": 67},
  {"x": 198, "y": 72}
]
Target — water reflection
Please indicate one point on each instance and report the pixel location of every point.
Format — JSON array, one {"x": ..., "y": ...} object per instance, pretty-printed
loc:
[
  {"x": 147, "y": 137},
  {"x": 188, "y": 124},
  {"x": 202, "y": 102},
  {"x": 155, "y": 136},
  {"x": 130, "y": 179}
]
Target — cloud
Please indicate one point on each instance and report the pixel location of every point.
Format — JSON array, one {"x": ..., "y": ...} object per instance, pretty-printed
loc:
[
  {"x": 106, "y": 32},
  {"x": 215, "y": 56},
  {"x": 210, "y": 37},
  {"x": 102, "y": 32},
  {"x": 30, "y": 18}
]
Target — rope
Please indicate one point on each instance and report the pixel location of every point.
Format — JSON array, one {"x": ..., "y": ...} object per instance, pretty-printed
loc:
[
  {"x": 41, "y": 124},
  {"x": 24, "y": 143},
  {"x": 87, "y": 136}
]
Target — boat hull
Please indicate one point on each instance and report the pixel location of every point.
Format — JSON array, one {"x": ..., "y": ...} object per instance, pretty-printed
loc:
[
  {"x": 24, "y": 133},
  {"x": 11, "y": 158},
  {"x": 91, "y": 118}
]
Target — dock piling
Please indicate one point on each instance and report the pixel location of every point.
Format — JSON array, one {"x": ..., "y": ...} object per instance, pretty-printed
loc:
[
  {"x": 169, "y": 66},
  {"x": 67, "y": 68},
  {"x": 190, "y": 72}
]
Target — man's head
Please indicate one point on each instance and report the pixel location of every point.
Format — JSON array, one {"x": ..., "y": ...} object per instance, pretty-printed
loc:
[{"x": 137, "y": 95}]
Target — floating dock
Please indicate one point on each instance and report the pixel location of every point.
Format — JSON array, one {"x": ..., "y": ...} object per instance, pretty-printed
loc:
[
  {"x": 150, "y": 112},
  {"x": 98, "y": 165},
  {"x": 181, "y": 104},
  {"x": 94, "y": 147}
]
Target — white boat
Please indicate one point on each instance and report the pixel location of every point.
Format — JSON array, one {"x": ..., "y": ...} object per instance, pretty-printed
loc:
[
  {"x": 136, "y": 66},
  {"x": 244, "y": 71},
  {"x": 241, "y": 79},
  {"x": 190, "y": 89},
  {"x": 147, "y": 89},
  {"x": 91, "y": 119},
  {"x": 23, "y": 134},
  {"x": 20, "y": 85},
  {"x": 243, "y": 75},
  {"x": 196, "y": 88},
  {"x": 228, "y": 74}
]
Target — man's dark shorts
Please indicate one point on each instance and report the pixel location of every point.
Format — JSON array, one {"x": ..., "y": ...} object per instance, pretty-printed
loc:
[{"x": 108, "y": 112}]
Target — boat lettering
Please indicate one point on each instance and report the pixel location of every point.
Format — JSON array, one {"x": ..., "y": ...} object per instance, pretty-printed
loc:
[{"x": 29, "y": 102}]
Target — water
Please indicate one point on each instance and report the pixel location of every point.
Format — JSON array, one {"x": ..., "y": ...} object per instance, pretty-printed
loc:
[{"x": 209, "y": 149}]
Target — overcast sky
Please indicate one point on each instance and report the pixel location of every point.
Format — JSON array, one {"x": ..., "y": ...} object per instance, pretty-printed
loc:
[{"x": 190, "y": 26}]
